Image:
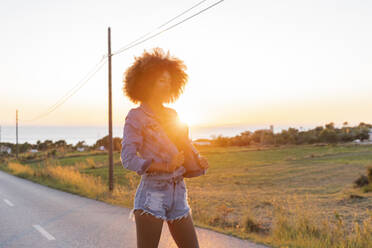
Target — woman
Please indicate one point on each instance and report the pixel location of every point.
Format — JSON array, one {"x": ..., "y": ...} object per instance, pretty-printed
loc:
[{"x": 151, "y": 147}]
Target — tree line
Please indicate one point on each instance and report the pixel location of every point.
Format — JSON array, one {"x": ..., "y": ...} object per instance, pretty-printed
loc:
[
  {"x": 49, "y": 145},
  {"x": 292, "y": 136}
]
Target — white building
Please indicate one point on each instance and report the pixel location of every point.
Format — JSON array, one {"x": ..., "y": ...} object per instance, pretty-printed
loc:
[
  {"x": 202, "y": 143},
  {"x": 5, "y": 149},
  {"x": 80, "y": 149},
  {"x": 33, "y": 150}
]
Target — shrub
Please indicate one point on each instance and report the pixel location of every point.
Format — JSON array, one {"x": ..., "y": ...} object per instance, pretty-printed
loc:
[
  {"x": 369, "y": 174},
  {"x": 250, "y": 225},
  {"x": 91, "y": 163},
  {"x": 361, "y": 181}
]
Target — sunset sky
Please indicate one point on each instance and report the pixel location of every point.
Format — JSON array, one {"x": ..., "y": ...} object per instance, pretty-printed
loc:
[{"x": 249, "y": 62}]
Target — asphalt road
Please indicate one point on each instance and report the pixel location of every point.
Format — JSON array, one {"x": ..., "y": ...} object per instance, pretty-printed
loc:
[{"x": 33, "y": 215}]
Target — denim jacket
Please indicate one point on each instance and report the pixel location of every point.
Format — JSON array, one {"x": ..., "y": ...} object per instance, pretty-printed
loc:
[{"x": 145, "y": 141}]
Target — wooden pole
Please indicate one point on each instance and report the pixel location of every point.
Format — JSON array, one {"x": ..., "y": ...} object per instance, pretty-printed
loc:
[{"x": 111, "y": 160}]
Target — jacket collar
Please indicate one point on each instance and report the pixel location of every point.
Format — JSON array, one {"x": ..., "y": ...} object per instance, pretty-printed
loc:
[{"x": 145, "y": 107}]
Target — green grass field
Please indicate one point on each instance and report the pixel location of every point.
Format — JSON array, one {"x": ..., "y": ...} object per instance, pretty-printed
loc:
[{"x": 294, "y": 196}]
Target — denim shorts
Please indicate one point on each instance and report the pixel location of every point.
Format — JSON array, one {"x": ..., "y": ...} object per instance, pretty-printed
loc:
[{"x": 163, "y": 198}]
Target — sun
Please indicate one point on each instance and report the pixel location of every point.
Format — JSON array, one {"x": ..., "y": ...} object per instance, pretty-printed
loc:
[{"x": 188, "y": 117}]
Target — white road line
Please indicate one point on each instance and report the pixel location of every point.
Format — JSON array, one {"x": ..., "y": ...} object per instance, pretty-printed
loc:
[
  {"x": 8, "y": 202},
  {"x": 43, "y": 232}
]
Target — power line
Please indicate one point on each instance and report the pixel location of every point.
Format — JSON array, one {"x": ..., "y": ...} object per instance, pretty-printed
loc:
[
  {"x": 134, "y": 43},
  {"x": 162, "y": 25},
  {"x": 72, "y": 91},
  {"x": 184, "y": 12},
  {"x": 82, "y": 80}
]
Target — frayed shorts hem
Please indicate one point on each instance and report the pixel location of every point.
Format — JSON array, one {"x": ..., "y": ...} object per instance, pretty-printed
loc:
[
  {"x": 144, "y": 211},
  {"x": 181, "y": 216}
]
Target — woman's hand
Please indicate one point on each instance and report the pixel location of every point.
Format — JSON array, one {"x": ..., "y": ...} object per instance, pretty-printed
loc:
[
  {"x": 177, "y": 160},
  {"x": 203, "y": 162}
]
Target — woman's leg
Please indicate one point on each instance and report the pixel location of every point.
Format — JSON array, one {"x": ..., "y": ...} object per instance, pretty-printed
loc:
[
  {"x": 183, "y": 232},
  {"x": 148, "y": 229}
]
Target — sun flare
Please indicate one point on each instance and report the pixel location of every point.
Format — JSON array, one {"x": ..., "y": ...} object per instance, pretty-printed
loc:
[{"x": 188, "y": 117}]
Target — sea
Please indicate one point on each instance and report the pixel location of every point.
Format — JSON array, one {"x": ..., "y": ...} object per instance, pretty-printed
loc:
[{"x": 90, "y": 134}]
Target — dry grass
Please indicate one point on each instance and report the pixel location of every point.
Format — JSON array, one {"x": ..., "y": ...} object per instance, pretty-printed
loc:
[
  {"x": 70, "y": 179},
  {"x": 305, "y": 201},
  {"x": 87, "y": 185},
  {"x": 299, "y": 227},
  {"x": 19, "y": 169}
]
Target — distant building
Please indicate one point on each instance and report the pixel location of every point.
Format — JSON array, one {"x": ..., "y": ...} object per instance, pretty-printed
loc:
[
  {"x": 33, "y": 150},
  {"x": 5, "y": 149},
  {"x": 370, "y": 135},
  {"x": 202, "y": 143},
  {"x": 101, "y": 148},
  {"x": 80, "y": 149}
]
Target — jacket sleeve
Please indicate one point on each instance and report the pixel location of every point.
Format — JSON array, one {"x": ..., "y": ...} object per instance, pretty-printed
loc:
[{"x": 130, "y": 144}]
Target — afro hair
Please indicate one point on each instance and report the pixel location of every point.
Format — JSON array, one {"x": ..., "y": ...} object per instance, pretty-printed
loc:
[{"x": 140, "y": 77}]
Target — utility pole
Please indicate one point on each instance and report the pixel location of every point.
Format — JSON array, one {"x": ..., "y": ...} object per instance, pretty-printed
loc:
[
  {"x": 17, "y": 134},
  {"x": 111, "y": 160}
]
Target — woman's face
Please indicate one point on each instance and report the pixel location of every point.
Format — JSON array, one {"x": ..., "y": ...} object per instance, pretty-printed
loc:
[{"x": 162, "y": 87}]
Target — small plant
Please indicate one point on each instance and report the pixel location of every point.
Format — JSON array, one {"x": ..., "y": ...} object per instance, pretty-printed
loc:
[
  {"x": 91, "y": 163},
  {"x": 81, "y": 165},
  {"x": 225, "y": 211},
  {"x": 250, "y": 225},
  {"x": 369, "y": 174},
  {"x": 31, "y": 156},
  {"x": 361, "y": 181},
  {"x": 357, "y": 197},
  {"x": 221, "y": 219}
]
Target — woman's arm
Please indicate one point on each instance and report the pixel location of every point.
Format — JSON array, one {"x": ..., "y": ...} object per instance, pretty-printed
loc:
[
  {"x": 177, "y": 160},
  {"x": 130, "y": 144}
]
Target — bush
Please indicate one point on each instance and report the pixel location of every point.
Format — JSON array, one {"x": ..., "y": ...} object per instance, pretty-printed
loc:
[
  {"x": 52, "y": 153},
  {"x": 251, "y": 225},
  {"x": 361, "y": 181},
  {"x": 31, "y": 156},
  {"x": 369, "y": 173}
]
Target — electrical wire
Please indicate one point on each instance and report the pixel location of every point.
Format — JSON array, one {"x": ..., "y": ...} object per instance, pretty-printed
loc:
[
  {"x": 162, "y": 25},
  {"x": 133, "y": 44},
  {"x": 72, "y": 91}
]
